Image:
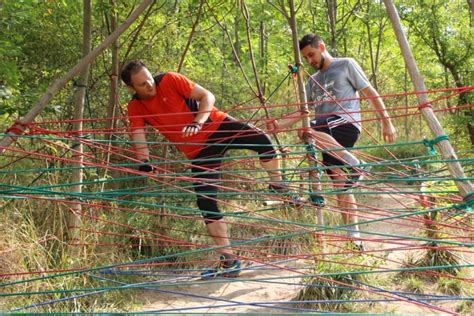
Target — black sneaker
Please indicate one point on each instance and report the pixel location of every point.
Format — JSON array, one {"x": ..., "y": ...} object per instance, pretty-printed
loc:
[
  {"x": 356, "y": 246},
  {"x": 286, "y": 194},
  {"x": 224, "y": 269},
  {"x": 355, "y": 175}
]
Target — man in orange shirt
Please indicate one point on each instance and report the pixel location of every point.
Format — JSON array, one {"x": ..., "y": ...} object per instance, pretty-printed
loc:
[{"x": 185, "y": 114}]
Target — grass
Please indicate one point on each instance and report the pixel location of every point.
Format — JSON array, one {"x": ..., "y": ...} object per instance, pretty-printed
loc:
[
  {"x": 415, "y": 284},
  {"x": 328, "y": 290}
]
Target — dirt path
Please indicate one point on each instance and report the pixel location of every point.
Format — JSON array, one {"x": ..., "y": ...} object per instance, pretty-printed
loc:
[
  {"x": 232, "y": 295},
  {"x": 238, "y": 294}
]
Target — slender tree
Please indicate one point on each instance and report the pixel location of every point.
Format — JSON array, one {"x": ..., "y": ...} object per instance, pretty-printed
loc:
[
  {"x": 191, "y": 35},
  {"x": 73, "y": 218},
  {"x": 113, "y": 91},
  {"x": 332, "y": 18}
]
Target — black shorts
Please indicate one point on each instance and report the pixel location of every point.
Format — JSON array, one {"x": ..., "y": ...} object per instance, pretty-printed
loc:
[
  {"x": 230, "y": 135},
  {"x": 344, "y": 132},
  {"x": 233, "y": 134}
]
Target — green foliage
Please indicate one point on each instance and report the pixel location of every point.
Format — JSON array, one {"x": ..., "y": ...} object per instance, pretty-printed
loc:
[{"x": 31, "y": 32}]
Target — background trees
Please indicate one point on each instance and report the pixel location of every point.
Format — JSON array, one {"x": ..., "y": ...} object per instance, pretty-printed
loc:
[{"x": 41, "y": 40}]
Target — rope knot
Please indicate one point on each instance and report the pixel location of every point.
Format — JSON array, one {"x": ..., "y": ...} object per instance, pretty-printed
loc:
[
  {"x": 467, "y": 204},
  {"x": 293, "y": 68},
  {"x": 18, "y": 128},
  {"x": 431, "y": 142}
]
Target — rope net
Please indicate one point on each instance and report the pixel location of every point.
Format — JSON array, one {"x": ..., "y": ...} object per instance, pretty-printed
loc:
[{"x": 143, "y": 231}]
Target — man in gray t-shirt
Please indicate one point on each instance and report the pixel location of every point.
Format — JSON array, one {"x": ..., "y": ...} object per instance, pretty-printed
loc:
[
  {"x": 341, "y": 80},
  {"x": 333, "y": 91}
]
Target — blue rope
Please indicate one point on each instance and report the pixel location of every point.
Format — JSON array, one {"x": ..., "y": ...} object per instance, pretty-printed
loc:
[
  {"x": 396, "y": 294},
  {"x": 285, "y": 302},
  {"x": 234, "y": 303}
]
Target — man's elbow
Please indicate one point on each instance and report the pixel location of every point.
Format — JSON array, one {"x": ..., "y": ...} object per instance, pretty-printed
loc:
[
  {"x": 137, "y": 133},
  {"x": 372, "y": 91},
  {"x": 210, "y": 98}
]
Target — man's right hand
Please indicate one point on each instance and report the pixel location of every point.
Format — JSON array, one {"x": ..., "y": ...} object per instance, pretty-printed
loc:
[
  {"x": 272, "y": 126},
  {"x": 389, "y": 132}
]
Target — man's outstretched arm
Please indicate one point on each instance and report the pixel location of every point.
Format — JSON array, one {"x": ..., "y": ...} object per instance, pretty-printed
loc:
[
  {"x": 388, "y": 130},
  {"x": 138, "y": 137}
]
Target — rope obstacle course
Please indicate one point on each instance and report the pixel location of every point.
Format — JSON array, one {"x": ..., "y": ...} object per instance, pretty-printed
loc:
[{"x": 152, "y": 220}]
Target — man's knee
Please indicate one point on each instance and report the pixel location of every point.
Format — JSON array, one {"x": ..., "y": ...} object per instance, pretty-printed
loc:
[
  {"x": 209, "y": 208},
  {"x": 268, "y": 155},
  {"x": 337, "y": 176}
]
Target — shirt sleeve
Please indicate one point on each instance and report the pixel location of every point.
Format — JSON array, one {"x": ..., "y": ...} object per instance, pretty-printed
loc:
[
  {"x": 356, "y": 75},
  {"x": 135, "y": 117},
  {"x": 308, "y": 89},
  {"x": 181, "y": 83}
]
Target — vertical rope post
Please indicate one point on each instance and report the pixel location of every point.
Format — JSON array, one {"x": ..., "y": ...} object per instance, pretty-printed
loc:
[{"x": 314, "y": 177}]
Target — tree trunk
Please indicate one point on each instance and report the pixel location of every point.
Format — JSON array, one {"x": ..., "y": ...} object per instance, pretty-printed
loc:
[
  {"x": 447, "y": 151},
  {"x": 73, "y": 218},
  {"x": 113, "y": 96},
  {"x": 237, "y": 46},
  {"x": 61, "y": 82},
  {"x": 471, "y": 9},
  {"x": 470, "y": 129},
  {"x": 405, "y": 90},
  {"x": 263, "y": 52},
  {"x": 332, "y": 17},
  {"x": 260, "y": 93}
]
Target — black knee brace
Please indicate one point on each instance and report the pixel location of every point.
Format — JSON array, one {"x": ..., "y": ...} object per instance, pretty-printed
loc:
[{"x": 208, "y": 205}]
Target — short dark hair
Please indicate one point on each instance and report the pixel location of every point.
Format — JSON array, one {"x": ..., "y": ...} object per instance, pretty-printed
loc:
[
  {"x": 130, "y": 69},
  {"x": 310, "y": 39}
]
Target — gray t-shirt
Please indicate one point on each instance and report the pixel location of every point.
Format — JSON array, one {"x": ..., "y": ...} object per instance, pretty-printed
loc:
[{"x": 341, "y": 81}]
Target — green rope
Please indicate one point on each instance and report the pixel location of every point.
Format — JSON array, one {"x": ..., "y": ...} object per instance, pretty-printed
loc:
[
  {"x": 431, "y": 143},
  {"x": 294, "y": 69},
  {"x": 232, "y": 158},
  {"x": 467, "y": 204},
  {"x": 311, "y": 149}
]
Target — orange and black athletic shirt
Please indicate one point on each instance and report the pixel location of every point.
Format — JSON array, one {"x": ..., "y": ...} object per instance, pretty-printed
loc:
[{"x": 170, "y": 110}]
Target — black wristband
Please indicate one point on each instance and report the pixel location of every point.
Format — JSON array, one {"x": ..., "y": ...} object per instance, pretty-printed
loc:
[
  {"x": 145, "y": 166},
  {"x": 193, "y": 127}
]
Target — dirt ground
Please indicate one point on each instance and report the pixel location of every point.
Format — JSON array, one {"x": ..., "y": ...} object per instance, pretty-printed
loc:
[
  {"x": 229, "y": 295},
  {"x": 261, "y": 284}
]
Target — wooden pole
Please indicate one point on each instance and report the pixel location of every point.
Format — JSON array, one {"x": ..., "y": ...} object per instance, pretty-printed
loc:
[
  {"x": 73, "y": 220},
  {"x": 61, "y": 82},
  {"x": 313, "y": 176},
  {"x": 447, "y": 151},
  {"x": 112, "y": 108}
]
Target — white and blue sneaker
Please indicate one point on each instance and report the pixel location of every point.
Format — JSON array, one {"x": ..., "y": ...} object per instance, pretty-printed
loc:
[{"x": 226, "y": 268}]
